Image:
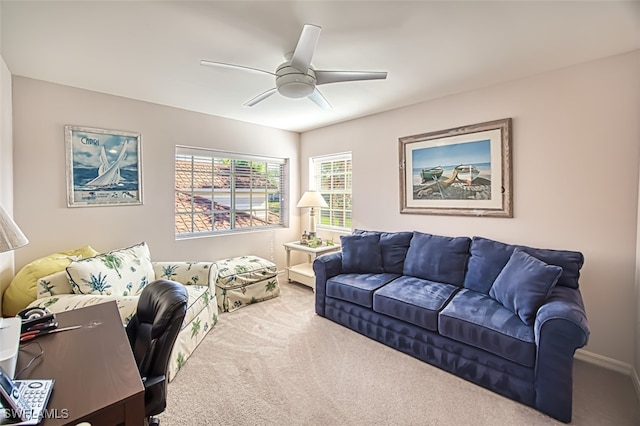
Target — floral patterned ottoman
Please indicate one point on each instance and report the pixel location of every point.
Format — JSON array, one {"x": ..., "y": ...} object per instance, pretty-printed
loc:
[{"x": 245, "y": 280}]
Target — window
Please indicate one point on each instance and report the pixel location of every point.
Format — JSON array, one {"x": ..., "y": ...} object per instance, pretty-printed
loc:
[
  {"x": 218, "y": 192},
  {"x": 332, "y": 178}
]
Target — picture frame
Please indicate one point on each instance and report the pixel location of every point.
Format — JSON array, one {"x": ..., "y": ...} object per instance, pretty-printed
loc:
[
  {"x": 104, "y": 167},
  {"x": 463, "y": 171}
]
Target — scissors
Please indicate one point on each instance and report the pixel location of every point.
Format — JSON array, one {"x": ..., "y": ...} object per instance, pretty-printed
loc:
[{"x": 35, "y": 333}]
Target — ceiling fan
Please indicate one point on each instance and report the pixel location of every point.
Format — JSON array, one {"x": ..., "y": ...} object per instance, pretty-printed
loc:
[{"x": 296, "y": 78}]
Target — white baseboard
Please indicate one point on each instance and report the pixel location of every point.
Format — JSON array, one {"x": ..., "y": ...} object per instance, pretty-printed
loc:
[
  {"x": 611, "y": 364},
  {"x": 636, "y": 382}
]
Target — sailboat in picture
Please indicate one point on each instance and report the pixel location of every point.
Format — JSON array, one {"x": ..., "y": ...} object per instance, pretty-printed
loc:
[{"x": 108, "y": 174}]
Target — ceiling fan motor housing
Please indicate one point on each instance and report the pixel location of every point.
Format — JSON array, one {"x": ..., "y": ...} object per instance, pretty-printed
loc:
[{"x": 293, "y": 83}]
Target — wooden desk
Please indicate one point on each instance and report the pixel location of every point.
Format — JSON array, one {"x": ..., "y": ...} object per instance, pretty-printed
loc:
[{"x": 96, "y": 377}]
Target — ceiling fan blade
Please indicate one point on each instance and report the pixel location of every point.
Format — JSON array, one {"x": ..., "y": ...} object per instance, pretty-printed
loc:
[
  {"x": 319, "y": 100},
  {"x": 326, "y": 77},
  {"x": 261, "y": 97},
  {"x": 232, "y": 67},
  {"x": 307, "y": 42}
]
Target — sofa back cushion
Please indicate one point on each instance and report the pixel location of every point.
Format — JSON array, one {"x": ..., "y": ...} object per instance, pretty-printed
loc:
[
  {"x": 488, "y": 257},
  {"x": 570, "y": 261},
  {"x": 437, "y": 258},
  {"x": 123, "y": 272},
  {"x": 393, "y": 248},
  {"x": 361, "y": 254},
  {"x": 524, "y": 284}
]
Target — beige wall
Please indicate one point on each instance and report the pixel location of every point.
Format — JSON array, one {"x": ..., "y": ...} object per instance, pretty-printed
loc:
[
  {"x": 40, "y": 111},
  {"x": 575, "y": 176}
]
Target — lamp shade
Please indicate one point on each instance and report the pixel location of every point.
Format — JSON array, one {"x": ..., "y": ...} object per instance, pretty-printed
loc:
[
  {"x": 11, "y": 237},
  {"x": 312, "y": 199}
]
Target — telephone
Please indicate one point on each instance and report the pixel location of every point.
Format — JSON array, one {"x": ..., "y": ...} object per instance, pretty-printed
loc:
[
  {"x": 11, "y": 393},
  {"x": 37, "y": 319},
  {"x": 26, "y": 399}
]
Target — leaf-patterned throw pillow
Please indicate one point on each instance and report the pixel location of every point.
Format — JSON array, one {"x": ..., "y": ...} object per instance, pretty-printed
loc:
[
  {"x": 123, "y": 272},
  {"x": 53, "y": 285}
]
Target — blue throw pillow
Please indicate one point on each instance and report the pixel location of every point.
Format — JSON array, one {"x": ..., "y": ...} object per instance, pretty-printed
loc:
[
  {"x": 393, "y": 248},
  {"x": 361, "y": 254},
  {"x": 524, "y": 284},
  {"x": 437, "y": 258}
]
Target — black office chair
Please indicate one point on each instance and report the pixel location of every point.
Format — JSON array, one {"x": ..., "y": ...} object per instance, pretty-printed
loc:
[{"x": 152, "y": 332}]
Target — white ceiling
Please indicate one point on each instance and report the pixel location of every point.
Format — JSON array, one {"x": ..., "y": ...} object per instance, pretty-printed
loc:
[{"x": 151, "y": 51}]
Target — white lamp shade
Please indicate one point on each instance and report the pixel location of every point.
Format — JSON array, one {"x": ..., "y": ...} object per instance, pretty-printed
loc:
[
  {"x": 11, "y": 237},
  {"x": 312, "y": 199}
]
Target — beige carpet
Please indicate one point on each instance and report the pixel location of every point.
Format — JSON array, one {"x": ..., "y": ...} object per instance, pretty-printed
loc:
[{"x": 278, "y": 363}]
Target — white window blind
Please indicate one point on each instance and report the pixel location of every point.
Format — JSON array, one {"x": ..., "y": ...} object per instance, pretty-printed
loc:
[
  {"x": 217, "y": 191},
  {"x": 332, "y": 178}
]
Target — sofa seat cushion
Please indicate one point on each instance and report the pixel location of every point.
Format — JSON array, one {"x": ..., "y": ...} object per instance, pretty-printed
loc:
[
  {"x": 199, "y": 298},
  {"x": 476, "y": 319},
  {"x": 357, "y": 288},
  {"x": 127, "y": 305},
  {"x": 414, "y": 300},
  {"x": 201, "y": 317}
]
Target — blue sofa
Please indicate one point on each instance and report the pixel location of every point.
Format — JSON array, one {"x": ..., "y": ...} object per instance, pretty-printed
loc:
[{"x": 506, "y": 317}]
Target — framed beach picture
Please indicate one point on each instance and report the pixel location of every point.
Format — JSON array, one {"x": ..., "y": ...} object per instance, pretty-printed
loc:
[
  {"x": 104, "y": 167},
  {"x": 461, "y": 171}
]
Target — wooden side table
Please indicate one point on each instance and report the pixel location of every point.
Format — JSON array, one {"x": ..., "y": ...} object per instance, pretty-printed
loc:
[{"x": 303, "y": 272}]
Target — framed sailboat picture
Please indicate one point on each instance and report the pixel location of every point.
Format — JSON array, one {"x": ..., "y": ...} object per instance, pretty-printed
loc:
[
  {"x": 461, "y": 171},
  {"x": 104, "y": 167}
]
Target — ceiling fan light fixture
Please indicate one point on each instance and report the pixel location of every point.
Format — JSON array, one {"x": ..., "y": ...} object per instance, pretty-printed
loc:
[{"x": 292, "y": 83}]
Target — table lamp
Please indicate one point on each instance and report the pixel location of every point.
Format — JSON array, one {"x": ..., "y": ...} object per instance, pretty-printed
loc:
[
  {"x": 11, "y": 237},
  {"x": 312, "y": 199}
]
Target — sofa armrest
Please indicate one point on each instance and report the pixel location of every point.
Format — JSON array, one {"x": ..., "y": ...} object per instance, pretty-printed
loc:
[
  {"x": 560, "y": 328},
  {"x": 325, "y": 267},
  {"x": 188, "y": 273},
  {"x": 565, "y": 304}
]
